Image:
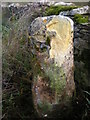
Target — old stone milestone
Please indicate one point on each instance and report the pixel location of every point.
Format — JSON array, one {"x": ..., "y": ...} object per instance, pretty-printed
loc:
[{"x": 52, "y": 37}]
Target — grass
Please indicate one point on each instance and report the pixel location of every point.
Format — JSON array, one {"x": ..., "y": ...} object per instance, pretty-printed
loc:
[
  {"x": 80, "y": 18},
  {"x": 55, "y": 10},
  {"x": 18, "y": 60}
]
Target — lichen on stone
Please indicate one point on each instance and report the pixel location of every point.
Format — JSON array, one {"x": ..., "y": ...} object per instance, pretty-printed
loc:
[
  {"x": 57, "y": 78},
  {"x": 55, "y": 56}
]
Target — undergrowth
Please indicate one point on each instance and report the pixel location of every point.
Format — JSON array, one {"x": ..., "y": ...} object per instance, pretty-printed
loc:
[{"x": 18, "y": 60}]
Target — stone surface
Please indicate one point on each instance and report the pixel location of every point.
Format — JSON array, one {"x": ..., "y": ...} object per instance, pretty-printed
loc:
[
  {"x": 81, "y": 53},
  {"x": 55, "y": 34},
  {"x": 82, "y": 10},
  {"x": 51, "y": 3},
  {"x": 64, "y": 4}
]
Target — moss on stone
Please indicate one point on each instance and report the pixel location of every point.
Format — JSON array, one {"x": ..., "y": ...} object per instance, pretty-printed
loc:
[
  {"x": 80, "y": 18},
  {"x": 57, "y": 78},
  {"x": 55, "y": 10}
]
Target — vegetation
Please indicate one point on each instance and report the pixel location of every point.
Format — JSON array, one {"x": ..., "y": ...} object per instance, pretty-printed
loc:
[
  {"x": 55, "y": 10},
  {"x": 19, "y": 60},
  {"x": 57, "y": 78},
  {"x": 80, "y": 18},
  {"x": 44, "y": 107}
]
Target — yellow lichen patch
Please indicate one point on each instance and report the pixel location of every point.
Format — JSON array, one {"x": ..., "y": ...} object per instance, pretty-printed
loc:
[
  {"x": 52, "y": 24},
  {"x": 62, "y": 41},
  {"x": 29, "y": 37},
  {"x": 44, "y": 20}
]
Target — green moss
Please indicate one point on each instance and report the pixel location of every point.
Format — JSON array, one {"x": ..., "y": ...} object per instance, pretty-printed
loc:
[
  {"x": 57, "y": 78},
  {"x": 55, "y": 10},
  {"x": 80, "y": 18}
]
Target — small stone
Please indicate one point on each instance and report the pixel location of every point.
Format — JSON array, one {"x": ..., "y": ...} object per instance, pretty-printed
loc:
[
  {"x": 45, "y": 115},
  {"x": 82, "y": 10}
]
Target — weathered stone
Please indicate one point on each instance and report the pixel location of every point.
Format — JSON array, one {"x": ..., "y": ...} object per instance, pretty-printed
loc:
[
  {"x": 63, "y": 38},
  {"x": 64, "y": 4},
  {"x": 51, "y": 3},
  {"x": 56, "y": 85},
  {"x": 81, "y": 44},
  {"x": 82, "y": 10}
]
